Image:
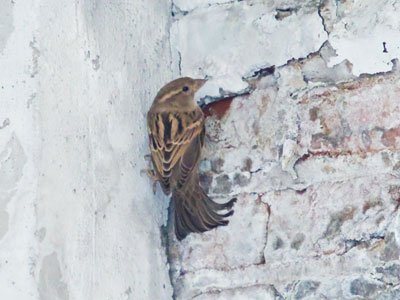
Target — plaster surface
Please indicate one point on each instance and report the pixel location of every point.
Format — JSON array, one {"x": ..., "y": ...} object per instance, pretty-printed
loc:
[
  {"x": 303, "y": 130},
  {"x": 77, "y": 220}
]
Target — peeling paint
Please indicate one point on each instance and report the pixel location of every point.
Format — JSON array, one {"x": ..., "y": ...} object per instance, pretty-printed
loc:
[
  {"x": 220, "y": 49},
  {"x": 217, "y": 108},
  {"x": 359, "y": 26},
  {"x": 319, "y": 145}
]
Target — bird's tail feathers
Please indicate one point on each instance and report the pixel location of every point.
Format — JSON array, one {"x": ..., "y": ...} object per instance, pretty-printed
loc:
[{"x": 196, "y": 212}]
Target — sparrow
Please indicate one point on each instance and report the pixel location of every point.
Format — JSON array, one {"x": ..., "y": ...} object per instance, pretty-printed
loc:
[{"x": 176, "y": 136}]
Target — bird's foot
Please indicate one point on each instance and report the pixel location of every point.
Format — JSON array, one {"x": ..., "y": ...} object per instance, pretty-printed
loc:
[
  {"x": 153, "y": 177},
  {"x": 150, "y": 173}
]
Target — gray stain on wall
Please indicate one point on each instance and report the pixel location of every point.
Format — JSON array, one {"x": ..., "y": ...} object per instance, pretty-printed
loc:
[
  {"x": 51, "y": 285},
  {"x": 12, "y": 161},
  {"x": 6, "y": 22}
]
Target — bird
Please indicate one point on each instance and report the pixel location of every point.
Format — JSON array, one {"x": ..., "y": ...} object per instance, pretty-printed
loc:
[{"x": 176, "y": 128}]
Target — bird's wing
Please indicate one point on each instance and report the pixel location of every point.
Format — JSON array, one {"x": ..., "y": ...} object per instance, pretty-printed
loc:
[
  {"x": 170, "y": 135},
  {"x": 194, "y": 210}
]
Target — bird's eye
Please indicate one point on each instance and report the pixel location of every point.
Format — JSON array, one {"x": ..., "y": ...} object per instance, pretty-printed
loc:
[{"x": 185, "y": 88}]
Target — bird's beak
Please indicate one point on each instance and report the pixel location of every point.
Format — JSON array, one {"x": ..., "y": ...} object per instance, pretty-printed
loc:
[{"x": 200, "y": 83}]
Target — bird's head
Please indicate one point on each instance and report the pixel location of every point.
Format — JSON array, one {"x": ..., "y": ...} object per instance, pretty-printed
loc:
[{"x": 179, "y": 93}]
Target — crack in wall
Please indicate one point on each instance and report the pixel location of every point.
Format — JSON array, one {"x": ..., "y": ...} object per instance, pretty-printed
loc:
[
  {"x": 266, "y": 287},
  {"x": 351, "y": 243},
  {"x": 178, "y": 12},
  {"x": 225, "y": 95},
  {"x": 321, "y": 4},
  {"x": 258, "y": 74},
  {"x": 165, "y": 235},
  {"x": 263, "y": 260},
  {"x": 180, "y": 63},
  {"x": 282, "y": 13},
  {"x": 169, "y": 26}
]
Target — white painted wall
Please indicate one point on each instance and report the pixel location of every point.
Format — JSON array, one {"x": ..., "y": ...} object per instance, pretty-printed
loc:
[{"x": 77, "y": 220}]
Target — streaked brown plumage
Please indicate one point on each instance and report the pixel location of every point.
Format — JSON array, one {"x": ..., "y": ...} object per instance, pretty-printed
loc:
[{"x": 176, "y": 132}]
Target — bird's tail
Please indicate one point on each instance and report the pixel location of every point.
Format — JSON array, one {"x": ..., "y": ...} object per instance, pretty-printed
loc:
[{"x": 196, "y": 212}]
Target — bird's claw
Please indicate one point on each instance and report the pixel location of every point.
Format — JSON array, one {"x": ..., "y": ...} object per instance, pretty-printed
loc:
[
  {"x": 153, "y": 177},
  {"x": 212, "y": 139},
  {"x": 150, "y": 173}
]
